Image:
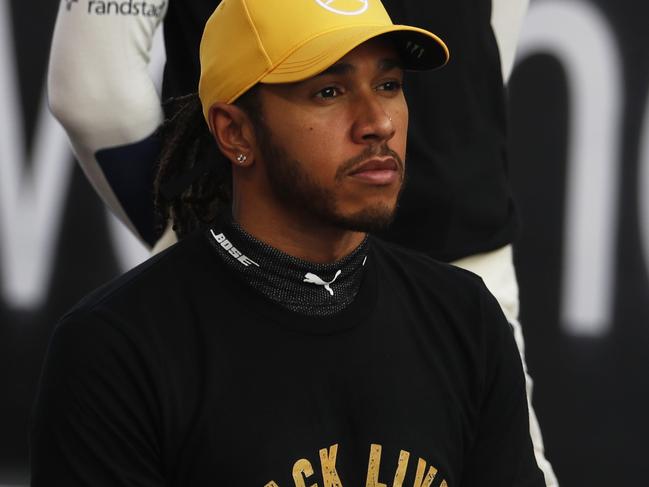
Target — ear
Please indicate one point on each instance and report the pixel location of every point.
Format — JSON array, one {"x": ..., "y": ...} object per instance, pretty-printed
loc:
[{"x": 233, "y": 132}]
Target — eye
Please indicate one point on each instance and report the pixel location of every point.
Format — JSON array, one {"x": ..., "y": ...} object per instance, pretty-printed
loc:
[
  {"x": 393, "y": 85},
  {"x": 328, "y": 93}
]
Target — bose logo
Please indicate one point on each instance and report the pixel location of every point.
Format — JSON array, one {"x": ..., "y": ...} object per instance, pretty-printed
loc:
[
  {"x": 344, "y": 7},
  {"x": 232, "y": 250}
]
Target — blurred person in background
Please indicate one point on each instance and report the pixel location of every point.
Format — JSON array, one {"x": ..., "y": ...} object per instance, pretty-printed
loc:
[{"x": 456, "y": 206}]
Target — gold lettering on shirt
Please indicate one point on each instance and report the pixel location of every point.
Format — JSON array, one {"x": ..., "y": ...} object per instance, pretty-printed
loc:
[
  {"x": 301, "y": 470},
  {"x": 420, "y": 481},
  {"x": 328, "y": 464},
  {"x": 402, "y": 466},
  {"x": 373, "y": 467}
]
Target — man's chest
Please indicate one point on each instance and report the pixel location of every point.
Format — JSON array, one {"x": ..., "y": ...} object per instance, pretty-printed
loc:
[{"x": 371, "y": 408}]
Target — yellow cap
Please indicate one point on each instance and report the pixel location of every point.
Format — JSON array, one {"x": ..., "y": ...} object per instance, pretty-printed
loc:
[{"x": 246, "y": 42}]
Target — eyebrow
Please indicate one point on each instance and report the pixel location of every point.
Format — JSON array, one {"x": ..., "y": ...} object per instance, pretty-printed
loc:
[{"x": 384, "y": 65}]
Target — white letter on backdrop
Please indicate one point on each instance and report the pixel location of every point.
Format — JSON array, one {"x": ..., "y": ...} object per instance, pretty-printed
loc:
[
  {"x": 577, "y": 34},
  {"x": 31, "y": 201}
]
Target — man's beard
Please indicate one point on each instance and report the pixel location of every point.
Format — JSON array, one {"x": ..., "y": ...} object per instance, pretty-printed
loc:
[{"x": 292, "y": 185}]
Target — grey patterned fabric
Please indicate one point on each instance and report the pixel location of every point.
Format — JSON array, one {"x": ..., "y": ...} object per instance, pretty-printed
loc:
[{"x": 301, "y": 286}]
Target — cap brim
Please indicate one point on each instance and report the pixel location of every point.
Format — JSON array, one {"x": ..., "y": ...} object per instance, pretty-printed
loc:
[{"x": 418, "y": 48}]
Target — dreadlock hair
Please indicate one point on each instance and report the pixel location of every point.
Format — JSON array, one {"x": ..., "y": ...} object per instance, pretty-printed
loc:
[{"x": 194, "y": 179}]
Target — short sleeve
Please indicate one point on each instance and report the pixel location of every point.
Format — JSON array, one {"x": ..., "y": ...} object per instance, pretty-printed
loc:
[
  {"x": 502, "y": 454},
  {"x": 95, "y": 419}
]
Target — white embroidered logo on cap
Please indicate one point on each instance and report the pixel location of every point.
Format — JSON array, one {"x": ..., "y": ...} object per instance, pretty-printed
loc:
[
  {"x": 313, "y": 279},
  {"x": 345, "y": 7}
]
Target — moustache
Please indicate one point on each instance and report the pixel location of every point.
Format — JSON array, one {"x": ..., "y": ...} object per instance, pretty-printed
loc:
[{"x": 370, "y": 152}]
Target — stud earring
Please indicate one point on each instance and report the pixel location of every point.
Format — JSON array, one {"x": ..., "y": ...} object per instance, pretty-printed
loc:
[{"x": 241, "y": 158}]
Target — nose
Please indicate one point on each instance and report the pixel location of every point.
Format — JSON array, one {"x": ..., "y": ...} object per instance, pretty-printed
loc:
[{"x": 372, "y": 124}]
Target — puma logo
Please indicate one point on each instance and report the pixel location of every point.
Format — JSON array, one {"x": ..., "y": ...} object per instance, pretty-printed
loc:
[{"x": 313, "y": 279}]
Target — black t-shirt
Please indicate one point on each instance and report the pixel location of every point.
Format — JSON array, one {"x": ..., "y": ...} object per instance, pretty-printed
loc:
[
  {"x": 179, "y": 374},
  {"x": 457, "y": 201}
]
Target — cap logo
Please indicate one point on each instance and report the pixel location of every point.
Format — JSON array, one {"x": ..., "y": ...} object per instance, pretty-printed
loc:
[{"x": 344, "y": 7}]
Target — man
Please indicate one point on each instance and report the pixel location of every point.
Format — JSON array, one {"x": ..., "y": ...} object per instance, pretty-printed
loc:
[
  {"x": 289, "y": 348},
  {"x": 457, "y": 206}
]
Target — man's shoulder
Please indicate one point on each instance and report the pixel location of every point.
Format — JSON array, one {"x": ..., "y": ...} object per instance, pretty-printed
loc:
[
  {"x": 178, "y": 268},
  {"x": 162, "y": 308},
  {"x": 439, "y": 288},
  {"x": 421, "y": 267}
]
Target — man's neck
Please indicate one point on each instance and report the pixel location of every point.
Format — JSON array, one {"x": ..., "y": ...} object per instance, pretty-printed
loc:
[
  {"x": 308, "y": 288},
  {"x": 306, "y": 240}
]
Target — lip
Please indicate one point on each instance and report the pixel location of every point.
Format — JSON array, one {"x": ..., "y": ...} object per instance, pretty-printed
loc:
[{"x": 377, "y": 171}]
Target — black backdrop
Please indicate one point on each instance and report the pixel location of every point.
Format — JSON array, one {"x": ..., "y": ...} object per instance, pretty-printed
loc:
[{"x": 591, "y": 394}]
